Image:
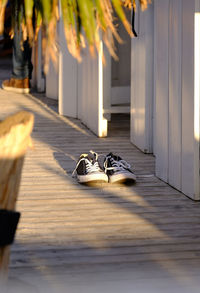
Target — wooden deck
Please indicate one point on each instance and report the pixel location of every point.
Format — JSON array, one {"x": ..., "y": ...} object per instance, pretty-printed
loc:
[{"x": 101, "y": 238}]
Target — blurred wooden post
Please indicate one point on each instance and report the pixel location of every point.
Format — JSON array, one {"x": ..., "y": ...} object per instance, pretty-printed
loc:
[{"x": 14, "y": 139}]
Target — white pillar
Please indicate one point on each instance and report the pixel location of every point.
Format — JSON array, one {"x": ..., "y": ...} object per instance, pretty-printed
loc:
[
  {"x": 196, "y": 99},
  {"x": 142, "y": 68},
  {"x": 68, "y": 77},
  {"x": 91, "y": 93}
]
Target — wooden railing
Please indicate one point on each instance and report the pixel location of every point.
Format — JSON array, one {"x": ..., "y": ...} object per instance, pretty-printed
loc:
[{"x": 14, "y": 140}]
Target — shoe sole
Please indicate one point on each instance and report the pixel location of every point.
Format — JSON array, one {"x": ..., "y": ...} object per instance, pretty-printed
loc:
[
  {"x": 16, "y": 90},
  {"x": 122, "y": 178},
  {"x": 92, "y": 178}
]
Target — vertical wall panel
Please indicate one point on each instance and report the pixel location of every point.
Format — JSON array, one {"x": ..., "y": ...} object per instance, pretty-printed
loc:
[
  {"x": 187, "y": 171},
  {"x": 52, "y": 82},
  {"x": 161, "y": 90},
  {"x": 38, "y": 79},
  {"x": 197, "y": 100},
  {"x": 142, "y": 81},
  {"x": 137, "y": 89},
  {"x": 68, "y": 75},
  {"x": 175, "y": 91},
  {"x": 90, "y": 94}
]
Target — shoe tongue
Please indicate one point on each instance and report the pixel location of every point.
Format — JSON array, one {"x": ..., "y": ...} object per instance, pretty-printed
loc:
[
  {"x": 89, "y": 157},
  {"x": 116, "y": 158},
  {"x": 83, "y": 156}
]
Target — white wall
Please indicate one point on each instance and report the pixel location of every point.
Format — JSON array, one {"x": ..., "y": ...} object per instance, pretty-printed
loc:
[
  {"x": 68, "y": 76},
  {"x": 174, "y": 139},
  {"x": 142, "y": 80},
  {"x": 38, "y": 79},
  {"x": 52, "y": 82},
  {"x": 91, "y": 93},
  {"x": 161, "y": 90}
]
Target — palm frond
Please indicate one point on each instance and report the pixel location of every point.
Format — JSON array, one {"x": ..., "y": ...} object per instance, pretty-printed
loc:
[
  {"x": 84, "y": 21},
  {"x": 28, "y": 5},
  {"x": 3, "y": 4}
]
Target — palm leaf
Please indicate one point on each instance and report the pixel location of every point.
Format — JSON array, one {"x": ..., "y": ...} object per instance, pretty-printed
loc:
[
  {"x": 3, "y": 4},
  {"x": 84, "y": 20},
  {"x": 69, "y": 8},
  {"x": 28, "y": 5}
]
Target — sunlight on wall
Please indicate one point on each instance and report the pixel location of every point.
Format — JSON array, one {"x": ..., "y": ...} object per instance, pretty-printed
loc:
[
  {"x": 102, "y": 122},
  {"x": 197, "y": 77},
  {"x": 196, "y": 102}
]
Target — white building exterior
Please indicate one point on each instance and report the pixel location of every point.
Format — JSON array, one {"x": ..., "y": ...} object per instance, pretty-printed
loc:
[{"x": 162, "y": 94}]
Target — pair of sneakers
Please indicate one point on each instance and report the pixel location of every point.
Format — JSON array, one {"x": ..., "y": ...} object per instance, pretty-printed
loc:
[{"x": 114, "y": 169}]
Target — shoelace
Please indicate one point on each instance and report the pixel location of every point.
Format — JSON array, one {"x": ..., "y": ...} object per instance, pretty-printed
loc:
[
  {"x": 90, "y": 167},
  {"x": 116, "y": 165}
]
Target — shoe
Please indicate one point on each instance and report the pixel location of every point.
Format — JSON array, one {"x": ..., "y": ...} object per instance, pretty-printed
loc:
[
  {"x": 21, "y": 86},
  {"x": 118, "y": 170},
  {"x": 88, "y": 169}
]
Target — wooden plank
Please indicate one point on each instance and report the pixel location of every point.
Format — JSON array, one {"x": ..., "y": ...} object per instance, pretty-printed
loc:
[
  {"x": 161, "y": 54},
  {"x": 38, "y": 80},
  {"x": 196, "y": 101},
  {"x": 175, "y": 93},
  {"x": 68, "y": 76},
  {"x": 116, "y": 243},
  {"x": 173, "y": 256},
  {"x": 91, "y": 92},
  {"x": 187, "y": 165},
  {"x": 98, "y": 240},
  {"x": 132, "y": 250},
  {"x": 107, "y": 82},
  {"x": 142, "y": 81},
  {"x": 52, "y": 81},
  {"x": 96, "y": 222}
]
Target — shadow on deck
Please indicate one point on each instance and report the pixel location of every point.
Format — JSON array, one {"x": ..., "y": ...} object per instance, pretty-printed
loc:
[{"x": 103, "y": 238}]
